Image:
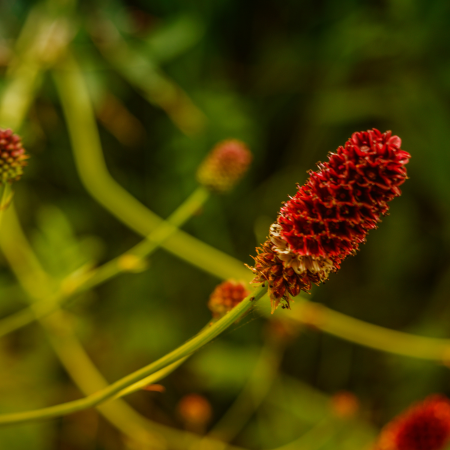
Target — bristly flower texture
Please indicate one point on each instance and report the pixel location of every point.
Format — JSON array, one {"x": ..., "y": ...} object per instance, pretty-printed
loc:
[
  {"x": 331, "y": 214},
  {"x": 224, "y": 166},
  {"x": 12, "y": 157},
  {"x": 226, "y": 296},
  {"x": 425, "y": 426}
]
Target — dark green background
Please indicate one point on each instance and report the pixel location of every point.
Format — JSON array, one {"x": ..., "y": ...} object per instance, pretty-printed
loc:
[{"x": 294, "y": 80}]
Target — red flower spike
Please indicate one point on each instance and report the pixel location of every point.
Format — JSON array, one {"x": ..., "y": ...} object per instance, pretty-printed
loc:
[
  {"x": 12, "y": 157},
  {"x": 224, "y": 166},
  {"x": 330, "y": 216},
  {"x": 226, "y": 296},
  {"x": 425, "y": 426}
]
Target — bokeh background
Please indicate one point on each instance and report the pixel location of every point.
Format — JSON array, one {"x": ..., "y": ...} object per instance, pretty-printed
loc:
[{"x": 293, "y": 80}]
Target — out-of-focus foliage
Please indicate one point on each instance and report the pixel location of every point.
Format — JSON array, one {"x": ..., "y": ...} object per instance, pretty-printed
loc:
[{"x": 293, "y": 80}]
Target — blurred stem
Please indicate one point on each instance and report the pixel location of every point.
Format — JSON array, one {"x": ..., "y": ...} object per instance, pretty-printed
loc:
[
  {"x": 144, "y": 74},
  {"x": 59, "y": 330},
  {"x": 93, "y": 172},
  {"x": 135, "y": 256},
  {"x": 151, "y": 379},
  {"x": 369, "y": 335},
  {"x": 107, "y": 393},
  {"x": 130, "y": 260},
  {"x": 86, "y": 376},
  {"x": 6, "y": 197},
  {"x": 258, "y": 385},
  {"x": 36, "y": 282},
  {"x": 314, "y": 438},
  {"x": 72, "y": 355},
  {"x": 43, "y": 38}
]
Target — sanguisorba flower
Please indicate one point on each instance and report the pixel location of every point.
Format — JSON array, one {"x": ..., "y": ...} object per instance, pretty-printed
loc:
[
  {"x": 226, "y": 296},
  {"x": 331, "y": 214},
  {"x": 224, "y": 166},
  {"x": 425, "y": 426},
  {"x": 12, "y": 157}
]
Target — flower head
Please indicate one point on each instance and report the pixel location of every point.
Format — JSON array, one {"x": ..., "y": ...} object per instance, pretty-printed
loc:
[
  {"x": 226, "y": 296},
  {"x": 12, "y": 157},
  {"x": 224, "y": 166},
  {"x": 331, "y": 214},
  {"x": 425, "y": 426}
]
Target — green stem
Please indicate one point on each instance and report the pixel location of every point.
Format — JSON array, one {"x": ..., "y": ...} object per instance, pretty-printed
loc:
[
  {"x": 104, "y": 394},
  {"x": 155, "y": 86},
  {"x": 42, "y": 40},
  {"x": 155, "y": 239},
  {"x": 254, "y": 392},
  {"x": 151, "y": 379},
  {"x": 314, "y": 438},
  {"x": 5, "y": 198},
  {"x": 369, "y": 335},
  {"x": 110, "y": 269},
  {"x": 86, "y": 376},
  {"x": 94, "y": 175},
  {"x": 72, "y": 355}
]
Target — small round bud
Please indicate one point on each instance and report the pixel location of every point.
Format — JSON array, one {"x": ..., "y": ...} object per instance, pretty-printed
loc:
[
  {"x": 12, "y": 157},
  {"x": 226, "y": 296},
  {"x": 224, "y": 166},
  {"x": 195, "y": 410},
  {"x": 344, "y": 404}
]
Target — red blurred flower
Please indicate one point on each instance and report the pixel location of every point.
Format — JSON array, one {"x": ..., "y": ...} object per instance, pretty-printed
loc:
[
  {"x": 331, "y": 214},
  {"x": 226, "y": 296},
  {"x": 224, "y": 166},
  {"x": 12, "y": 157},
  {"x": 425, "y": 426}
]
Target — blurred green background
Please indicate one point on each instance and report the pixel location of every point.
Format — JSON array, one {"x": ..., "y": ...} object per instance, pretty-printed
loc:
[{"x": 293, "y": 80}]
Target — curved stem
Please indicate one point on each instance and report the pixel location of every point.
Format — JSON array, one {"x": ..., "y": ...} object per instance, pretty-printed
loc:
[
  {"x": 134, "y": 257},
  {"x": 74, "y": 358},
  {"x": 153, "y": 378},
  {"x": 131, "y": 259},
  {"x": 314, "y": 438},
  {"x": 5, "y": 198},
  {"x": 104, "y": 394},
  {"x": 254, "y": 392},
  {"x": 154, "y": 85},
  {"x": 369, "y": 335},
  {"x": 94, "y": 175},
  {"x": 42, "y": 40}
]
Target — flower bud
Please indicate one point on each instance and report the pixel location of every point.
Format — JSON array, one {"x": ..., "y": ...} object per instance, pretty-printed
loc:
[
  {"x": 195, "y": 410},
  {"x": 226, "y": 296},
  {"x": 12, "y": 157},
  {"x": 425, "y": 426},
  {"x": 224, "y": 166},
  {"x": 344, "y": 404},
  {"x": 330, "y": 216}
]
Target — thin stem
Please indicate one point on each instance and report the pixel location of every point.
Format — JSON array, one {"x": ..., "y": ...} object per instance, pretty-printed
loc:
[
  {"x": 74, "y": 358},
  {"x": 94, "y": 175},
  {"x": 154, "y": 85},
  {"x": 369, "y": 335},
  {"x": 89, "y": 380},
  {"x": 104, "y": 394},
  {"x": 254, "y": 392},
  {"x": 315, "y": 438},
  {"x": 129, "y": 260},
  {"x": 134, "y": 256},
  {"x": 5, "y": 198},
  {"x": 151, "y": 379},
  {"x": 42, "y": 40}
]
